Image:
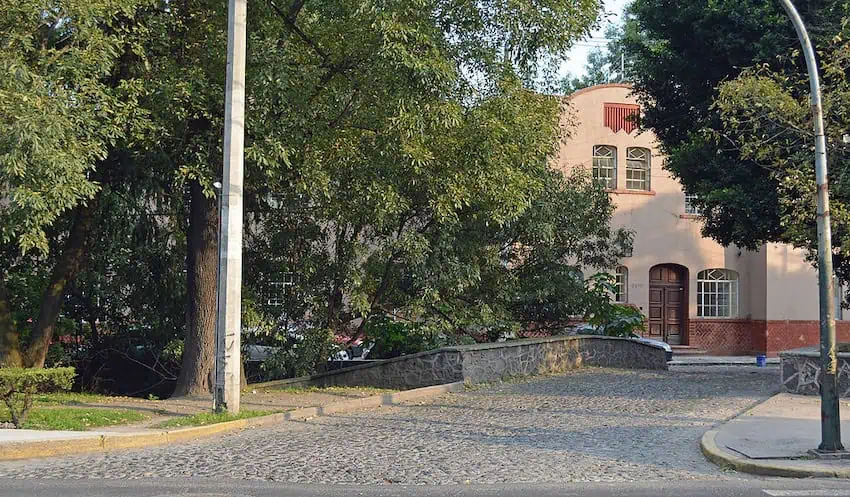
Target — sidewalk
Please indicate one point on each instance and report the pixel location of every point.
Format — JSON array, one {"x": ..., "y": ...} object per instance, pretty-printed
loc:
[
  {"x": 713, "y": 360},
  {"x": 774, "y": 437},
  {"x": 18, "y": 436}
]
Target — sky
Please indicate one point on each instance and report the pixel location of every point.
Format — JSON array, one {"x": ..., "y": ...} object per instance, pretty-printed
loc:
[{"x": 578, "y": 55}]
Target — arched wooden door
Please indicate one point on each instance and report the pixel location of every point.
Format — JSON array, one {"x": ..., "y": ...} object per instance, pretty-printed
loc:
[{"x": 668, "y": 303}]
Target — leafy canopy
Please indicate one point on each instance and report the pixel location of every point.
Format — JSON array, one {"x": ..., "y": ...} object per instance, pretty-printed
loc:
[
  {"x": 681, "y": 53},
  {"x": 60, "y": 108}
]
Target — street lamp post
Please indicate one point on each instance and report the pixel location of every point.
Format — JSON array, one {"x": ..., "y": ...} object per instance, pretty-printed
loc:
[
  {"x": 226, "y": 393},
  {"x": 830, "y": 419}
]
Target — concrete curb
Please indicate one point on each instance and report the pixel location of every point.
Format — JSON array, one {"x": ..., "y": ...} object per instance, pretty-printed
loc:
[
  {"x": 773, "y": 467},
  {"x": 47, "y": 448},
  {"x": 683, "y": 362}
]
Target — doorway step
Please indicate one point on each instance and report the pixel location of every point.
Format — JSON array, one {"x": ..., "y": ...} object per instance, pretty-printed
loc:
[{"x": 680, "y": 350}]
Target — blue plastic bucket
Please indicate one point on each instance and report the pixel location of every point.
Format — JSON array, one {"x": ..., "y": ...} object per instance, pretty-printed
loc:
[{"x": 761, "y": 360}]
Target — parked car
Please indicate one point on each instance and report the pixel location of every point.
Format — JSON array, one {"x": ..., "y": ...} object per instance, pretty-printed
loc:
[
  {"x": 668, "y": 350},
  {"x": 358, "y": 352}
]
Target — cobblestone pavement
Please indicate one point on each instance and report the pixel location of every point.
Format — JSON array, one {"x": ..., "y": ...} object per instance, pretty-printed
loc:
[{"x": 587, "y": 425}]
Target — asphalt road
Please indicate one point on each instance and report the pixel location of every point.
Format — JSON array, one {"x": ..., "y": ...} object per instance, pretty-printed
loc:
[{"x": 211, "y": 487}]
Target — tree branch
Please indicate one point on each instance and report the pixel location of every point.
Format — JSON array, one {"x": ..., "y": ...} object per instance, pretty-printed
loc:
[{"x": 289, "y": 18}]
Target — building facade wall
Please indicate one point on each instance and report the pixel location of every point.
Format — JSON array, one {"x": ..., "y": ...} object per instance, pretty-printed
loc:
[{"x": 777, "y": 287}]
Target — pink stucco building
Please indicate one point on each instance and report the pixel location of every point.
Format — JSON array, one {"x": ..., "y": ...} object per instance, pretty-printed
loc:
[{"x": 695, "y": 292}]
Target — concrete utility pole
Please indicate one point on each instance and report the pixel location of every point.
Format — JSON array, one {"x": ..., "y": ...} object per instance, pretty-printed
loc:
[
  {"x": 829, "y": 415},
  {"x": 229, "y": 314}
]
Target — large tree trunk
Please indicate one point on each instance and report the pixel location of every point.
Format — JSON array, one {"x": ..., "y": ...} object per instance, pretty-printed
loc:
[
  {"x": 68, "y": 265},
  {"x": 202, "y": 263},
  {"x": 10, "y": 345}
]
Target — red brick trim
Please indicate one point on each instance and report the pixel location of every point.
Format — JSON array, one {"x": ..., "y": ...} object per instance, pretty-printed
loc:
[
  {"x": 721, "y": 336},
  {"x": 756, "y": 336},
  {"x": 791, "y": 334}
]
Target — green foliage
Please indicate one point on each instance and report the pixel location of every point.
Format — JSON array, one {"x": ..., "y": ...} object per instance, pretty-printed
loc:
[
  {"x": 395, "y": 183},
  {"x": 18, "y": 386},
  {"x": 567, "y": 228},
  {"x": 737, "y": 129},
  {"x": 79, "y": 419},
  {"x": 130, "y": 301},
  {"x": 620, "y": 321},
  {"x": 396, "y": 338},
  {"x": 394, "y": 161},
  {"x": 766, "y": 116},
  {"x": 609, "y": 318},
  {"x": 58, "y": 356},
  {"x": 604, "y": 65},
  {"x": 210, "y": 418},
  {"x": 59, "y": 107},
  {"x": 301, "y": 354},
  {"x": 624, "y": 321},
  {"x": 681, "y": 52}
]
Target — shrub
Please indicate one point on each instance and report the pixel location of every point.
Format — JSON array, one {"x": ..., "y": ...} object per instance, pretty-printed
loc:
[
  {"x": 19, "y": 385},
  {"x": 301, "y": 355},
  {"x": 397, "y": 338},
  {"x": 619, "y": 320},
  {"x": 58, "y": 356}
]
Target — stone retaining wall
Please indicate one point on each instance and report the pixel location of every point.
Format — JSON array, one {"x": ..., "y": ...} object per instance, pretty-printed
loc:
[
  {"x": 801, "y": 371},
  {"x": 493, "y": 361}
]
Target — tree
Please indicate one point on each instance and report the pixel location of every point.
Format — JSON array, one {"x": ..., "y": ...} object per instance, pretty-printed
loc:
[
  {"x": 66, "y": 105},
  {"x": 391, "y": 154},
  {"x": 186, "y": 55},
  {"x": 606, "y": 65},
  {"x": 596, "y": 73},
  {"x": 680, "y": 52},
  {"x": 129, "y": 303},
  {"x": 405, "y": 173},
  {"x": 767, "y": 119},
  {"x": 311, "y": 95}
]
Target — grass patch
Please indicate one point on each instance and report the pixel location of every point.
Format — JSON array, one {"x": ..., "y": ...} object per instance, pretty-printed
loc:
[
  {"x": 330, "y": 390},
  {"x": 69, "y": 398},
  {"x": 210, "y": 418},
  {"x": 75, "y": 419}
]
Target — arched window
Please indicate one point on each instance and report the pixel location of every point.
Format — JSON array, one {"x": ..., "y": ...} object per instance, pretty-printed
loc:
[
  {"x": 637, "y": 168},
  {"x": 605, "y": 165},
  {"x": 621, "y": 294},
  {"x": 717, "y": 293}
]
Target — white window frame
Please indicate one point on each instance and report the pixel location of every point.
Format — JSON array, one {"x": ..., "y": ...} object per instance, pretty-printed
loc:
[
  {"x": 718, "y": 293},
  {"x": 621, "y": 283},
  {"x": 638, "y": 168},
  {"x": 278, "y": 287},
  {"x": 690, "y": 208},
  {"x": 605, "y": 160}
]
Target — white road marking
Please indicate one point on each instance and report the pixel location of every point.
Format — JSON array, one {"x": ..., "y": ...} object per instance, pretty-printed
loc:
[{"x": 824, "y": 492}]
